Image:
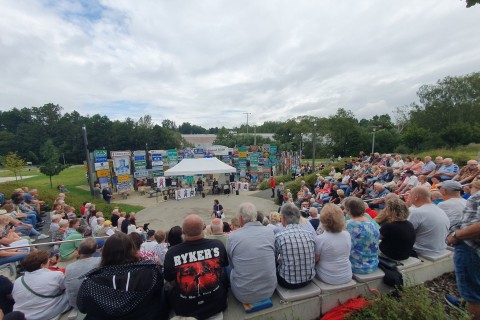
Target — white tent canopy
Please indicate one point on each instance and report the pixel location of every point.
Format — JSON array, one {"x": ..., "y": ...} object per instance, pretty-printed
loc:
[{"x": 190, "y": 167}]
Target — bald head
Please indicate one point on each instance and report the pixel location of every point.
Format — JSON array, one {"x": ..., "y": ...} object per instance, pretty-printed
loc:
[
  {"x": 193, "y": 227},
  {"x": 420, "y": 196},
  {"x": 216, "y": 226}
]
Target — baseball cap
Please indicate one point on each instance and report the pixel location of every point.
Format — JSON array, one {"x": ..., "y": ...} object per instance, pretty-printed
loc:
[
  {"x": 450, "y": 185},
  {"x": 409, "y": 172}
]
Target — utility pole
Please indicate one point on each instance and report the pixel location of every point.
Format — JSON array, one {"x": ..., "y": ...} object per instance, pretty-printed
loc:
[{"x": 87, "y": 155}]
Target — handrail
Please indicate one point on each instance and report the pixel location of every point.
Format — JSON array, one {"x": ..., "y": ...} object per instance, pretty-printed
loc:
[{"x": 48, "y": 243}]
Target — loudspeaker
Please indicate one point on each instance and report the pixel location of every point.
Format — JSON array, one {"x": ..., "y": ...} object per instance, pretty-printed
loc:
[
  {"x": 203, "y": 194},
  {"x": 237, "y": 192},
  {"x": 165, "y": 198}
]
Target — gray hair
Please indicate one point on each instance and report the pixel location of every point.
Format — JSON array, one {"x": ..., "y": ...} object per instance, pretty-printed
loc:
[
  {"x": 290, "y": 213},
  {"x": 248, "y": 212}
]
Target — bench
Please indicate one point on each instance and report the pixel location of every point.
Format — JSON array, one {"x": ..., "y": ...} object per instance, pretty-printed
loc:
[
  {"x": 325, "y": 287},
  {"x": 310, "y": 290},
  {"x": 377, "y": 274},
  {"x": 151, "y": 193},
  {"x": 445, "y": 254}
]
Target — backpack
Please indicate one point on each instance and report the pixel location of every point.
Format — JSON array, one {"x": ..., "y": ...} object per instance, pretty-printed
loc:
[{"x": 2, "y": 199}]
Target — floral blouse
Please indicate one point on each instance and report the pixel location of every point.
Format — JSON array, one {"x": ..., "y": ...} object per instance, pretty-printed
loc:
[{"x": 365, "y": 237}]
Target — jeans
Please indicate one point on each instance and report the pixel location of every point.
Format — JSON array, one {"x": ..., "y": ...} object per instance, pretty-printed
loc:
[
  {"x": 467, "y": 272},
  {"x": 15, "y": 258},
  {"x": 26, "y": 231}
]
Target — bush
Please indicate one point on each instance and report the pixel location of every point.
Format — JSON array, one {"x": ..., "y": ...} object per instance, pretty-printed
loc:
[{"x": 413, "y": 303}]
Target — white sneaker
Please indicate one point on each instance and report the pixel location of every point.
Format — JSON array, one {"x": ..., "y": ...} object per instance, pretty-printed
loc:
[{"x": 42, "y": 236}]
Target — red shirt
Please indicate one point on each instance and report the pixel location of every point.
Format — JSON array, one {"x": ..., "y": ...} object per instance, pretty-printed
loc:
[
  {"x": 272, "y": 183},
  {"x": 372, "y": 213}
]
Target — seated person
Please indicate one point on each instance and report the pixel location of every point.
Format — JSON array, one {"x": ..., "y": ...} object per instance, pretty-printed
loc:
[
  {"x": 431, "y": 223},
  {"x": 74, "y": 271},
  {"x": 68, "y": 250},
  {"x": 102, "y": 294},
  {"x": 417, "y": 165},
  {"x": 295, "y": 251},
  {"x": 397, "y": 235},
  {"x": 40, "y": 292},
  {"x": 365, "y": 235},
  {"x": 448, "y": 170},
  {"x": 378, "y": 196},
  {"x": 408, "y": 183},
  {"x": 468, "y": 172},
  {"x": 333, "y": 246}
]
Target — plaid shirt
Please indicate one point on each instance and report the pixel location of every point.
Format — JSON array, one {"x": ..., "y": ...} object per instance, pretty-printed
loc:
[
  {"x": 295, "y": 249},
  {"x": 471, "y": 215}
]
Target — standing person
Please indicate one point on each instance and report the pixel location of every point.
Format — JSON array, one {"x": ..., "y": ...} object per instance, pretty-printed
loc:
[
  {"x": 195, "y": 269},
  {"x": 251, "y": 252},
  {"x": 217, "y": 209},
  {"x": 295, "y": 249},
  {"x": 280, "y": 193},
  {"x": 123, "y": 287},
  {"x": 97, "y": 191},
  {"x": 200, "y": 185},
  {"x": 466, "y": 240},
  {"x": 107, "y": 194},
  {"x": 272, "y": 186}
]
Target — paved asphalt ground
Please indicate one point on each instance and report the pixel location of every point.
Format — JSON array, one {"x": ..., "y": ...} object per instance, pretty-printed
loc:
[{"x": 166, "y": 214}]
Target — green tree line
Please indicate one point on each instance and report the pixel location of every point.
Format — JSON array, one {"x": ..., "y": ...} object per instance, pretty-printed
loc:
[{"x": 447, "y": 115}]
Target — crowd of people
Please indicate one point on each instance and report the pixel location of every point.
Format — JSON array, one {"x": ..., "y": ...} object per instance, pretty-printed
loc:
[{"x": 376, "y": 206}]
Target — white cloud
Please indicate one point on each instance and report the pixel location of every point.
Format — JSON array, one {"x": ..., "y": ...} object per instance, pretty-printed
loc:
[{"x": 206, "y": 62}]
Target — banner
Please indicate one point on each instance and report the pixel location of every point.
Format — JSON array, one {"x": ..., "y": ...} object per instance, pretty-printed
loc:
[
  {"x": 102, "y": 173},
  {"x": 242, "y": 152},
  {"x": 172, "y": 157},
  {"x": 184, "y": 193},
  {"x": 253, "y": 161},
  {"x": 121, "y": 165},
  {"x": 161, "y": 184}
]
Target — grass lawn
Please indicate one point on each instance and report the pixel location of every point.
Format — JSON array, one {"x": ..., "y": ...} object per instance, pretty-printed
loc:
[
  {"x": 73, "y": 178},
  {"x": 26, "y": 171}
]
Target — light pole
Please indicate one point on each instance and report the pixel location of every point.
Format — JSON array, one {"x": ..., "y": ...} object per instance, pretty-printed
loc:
[
  {"x": 374, "y": 128},
  {"x": 254, "y": 135},
  {"x": 247, "y": 113},
  {"x": 313, "y": 145}
]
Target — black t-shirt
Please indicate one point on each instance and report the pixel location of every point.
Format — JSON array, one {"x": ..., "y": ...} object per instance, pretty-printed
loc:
[
  {"x": 197, "y": 267},
  {"x": 114, "y": 218},
  {"x": 398, "y": 239}
]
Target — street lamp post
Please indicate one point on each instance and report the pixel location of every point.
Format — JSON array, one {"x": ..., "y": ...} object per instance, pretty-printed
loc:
[
  {"x": 247, "y": 113},
  {"x": 374, "y": 128},
  {"x": 313, "y": 145}
]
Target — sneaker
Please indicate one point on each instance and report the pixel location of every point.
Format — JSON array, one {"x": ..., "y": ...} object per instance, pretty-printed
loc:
[
  {"x": 42, "y": 236},
  {"x": 455, "y": 303}
]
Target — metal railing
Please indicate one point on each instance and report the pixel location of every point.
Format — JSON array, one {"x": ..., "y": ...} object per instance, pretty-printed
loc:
[{"x": 47, "y": 243}]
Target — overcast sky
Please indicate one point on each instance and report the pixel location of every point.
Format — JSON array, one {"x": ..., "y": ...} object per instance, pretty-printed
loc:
[{"x": 208, "y": 62}]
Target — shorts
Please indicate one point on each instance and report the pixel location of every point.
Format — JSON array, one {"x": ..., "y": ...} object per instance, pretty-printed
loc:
[{"x": 467, "y": 272}]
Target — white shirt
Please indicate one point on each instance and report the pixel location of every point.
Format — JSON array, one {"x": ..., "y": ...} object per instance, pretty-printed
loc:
[
  {"x": 45, "y": 282},
  {"x": 411, "y": 181},
  {"x": 454, "y": 209},
  {"x": 431, "y": 228},
  {"x": 334, "y": 266}
]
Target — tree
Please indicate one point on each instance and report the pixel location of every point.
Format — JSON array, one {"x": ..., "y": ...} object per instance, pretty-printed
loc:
[
  {"x": 169, "y": 124},
  {"x": 471, "y": 3},
  {"x": 51, "y": 165},
  {"x": 14, "y": 163}
]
